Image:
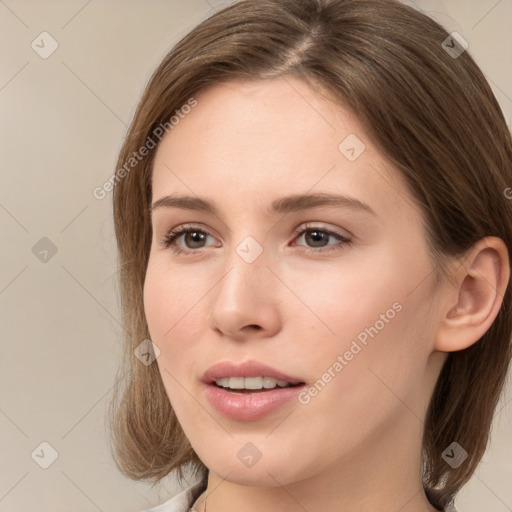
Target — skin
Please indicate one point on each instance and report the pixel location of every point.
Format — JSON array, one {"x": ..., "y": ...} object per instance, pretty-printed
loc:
[{"x": 356, "y": 445}]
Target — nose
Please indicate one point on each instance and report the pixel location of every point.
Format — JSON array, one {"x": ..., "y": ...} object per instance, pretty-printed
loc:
[{"x": 245, "y": 302}]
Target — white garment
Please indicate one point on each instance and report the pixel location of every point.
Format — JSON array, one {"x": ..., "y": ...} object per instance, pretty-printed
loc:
[
  {"x": 181, "y": 502},
  {"x": 185, "y": 499}
]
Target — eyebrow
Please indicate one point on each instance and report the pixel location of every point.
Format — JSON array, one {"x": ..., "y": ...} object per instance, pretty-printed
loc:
[{"x": 282, "y": 205}]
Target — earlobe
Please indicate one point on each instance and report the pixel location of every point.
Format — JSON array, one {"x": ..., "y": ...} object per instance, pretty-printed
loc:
[{"x": 482, "y": 278}]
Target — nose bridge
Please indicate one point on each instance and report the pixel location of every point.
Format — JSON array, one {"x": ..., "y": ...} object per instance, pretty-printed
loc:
[
  {"x": 246, "y": 273},
  {"x": 244, "y": 295}
]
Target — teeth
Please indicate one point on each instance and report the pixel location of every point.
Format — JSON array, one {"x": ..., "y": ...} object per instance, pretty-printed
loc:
[{"x": 251, "y": 382}]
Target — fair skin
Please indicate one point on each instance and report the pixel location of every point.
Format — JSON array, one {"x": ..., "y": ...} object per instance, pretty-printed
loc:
[{"x": 356, "y": 445}]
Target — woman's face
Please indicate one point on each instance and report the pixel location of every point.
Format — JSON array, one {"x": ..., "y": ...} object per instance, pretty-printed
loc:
[{"x": 331, "y": 292}]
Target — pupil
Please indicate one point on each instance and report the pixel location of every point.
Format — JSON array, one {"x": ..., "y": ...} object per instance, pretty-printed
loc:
[
  {"x": 194, "y": 237},
  {"x": 318, "y": 236}
]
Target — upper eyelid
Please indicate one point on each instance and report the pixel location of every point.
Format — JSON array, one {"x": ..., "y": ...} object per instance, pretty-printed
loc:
[{"x": 183, "y": 228}]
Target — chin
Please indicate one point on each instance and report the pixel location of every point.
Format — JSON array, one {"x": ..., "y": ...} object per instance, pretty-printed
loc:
[{"x": 237, "y": 467}]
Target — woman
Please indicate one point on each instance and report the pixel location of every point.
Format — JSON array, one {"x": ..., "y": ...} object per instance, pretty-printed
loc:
[{"x": 314, "y": 233}]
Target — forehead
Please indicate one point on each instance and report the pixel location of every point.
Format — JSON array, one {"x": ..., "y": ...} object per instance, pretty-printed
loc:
[{"x": 250, "y": 141}]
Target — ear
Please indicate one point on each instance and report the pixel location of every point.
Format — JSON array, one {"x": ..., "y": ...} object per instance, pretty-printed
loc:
[{"x": 480, "y": 281}]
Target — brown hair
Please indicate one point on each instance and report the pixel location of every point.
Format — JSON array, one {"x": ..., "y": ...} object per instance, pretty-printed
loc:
[{"x": 433, "y": 116}]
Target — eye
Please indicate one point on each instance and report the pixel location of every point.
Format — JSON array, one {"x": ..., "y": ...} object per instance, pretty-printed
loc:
[
  {"x": 319, "y": 237},
  {"x": 194, "y": 238}
]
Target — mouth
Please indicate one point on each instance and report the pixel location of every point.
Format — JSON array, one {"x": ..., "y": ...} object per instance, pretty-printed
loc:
[
  {"x": 251, "y": 404},
  {"x": 249, "y": 391}
]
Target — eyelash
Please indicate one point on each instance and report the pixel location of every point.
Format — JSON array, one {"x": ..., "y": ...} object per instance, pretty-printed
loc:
[{"x": 169, "y": 239}]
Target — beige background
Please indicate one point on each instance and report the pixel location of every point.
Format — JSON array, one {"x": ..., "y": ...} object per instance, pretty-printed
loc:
[{"x": 63, "y": 119}]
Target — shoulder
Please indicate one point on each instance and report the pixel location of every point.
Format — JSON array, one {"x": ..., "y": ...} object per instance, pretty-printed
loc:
[{"x": 182, "y": 501}]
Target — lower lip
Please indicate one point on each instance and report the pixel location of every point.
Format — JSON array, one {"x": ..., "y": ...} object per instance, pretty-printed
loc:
[{"x": 250, "y": 406}]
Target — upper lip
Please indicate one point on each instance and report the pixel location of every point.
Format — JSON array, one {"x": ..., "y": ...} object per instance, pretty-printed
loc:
[{"x": 245, "y": 369}]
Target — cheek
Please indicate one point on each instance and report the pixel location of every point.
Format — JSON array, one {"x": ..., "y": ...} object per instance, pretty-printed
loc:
[
  {"x": 171, "y": 299},
  {"x": 156, "y": 305},
  {"x": 368, "y": 377},
  {"x": 340, "y": 300},
  {"x": 170, "y": 307},
  {"x": 372, "y": 319}
]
